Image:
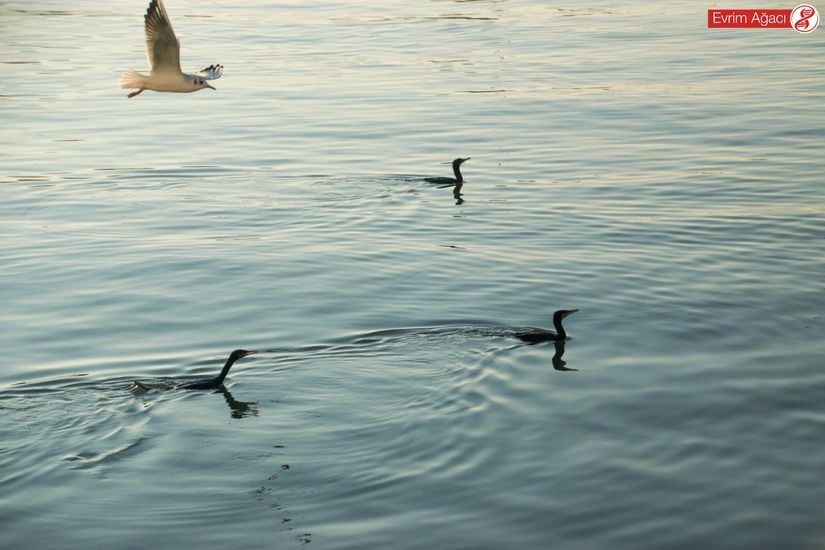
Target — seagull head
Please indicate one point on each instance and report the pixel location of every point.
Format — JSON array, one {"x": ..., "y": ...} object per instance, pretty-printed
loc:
[{"x": 200, "y": 83}]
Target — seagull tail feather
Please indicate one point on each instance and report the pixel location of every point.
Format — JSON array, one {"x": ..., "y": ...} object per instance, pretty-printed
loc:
[{"x": 132, "y": 79}]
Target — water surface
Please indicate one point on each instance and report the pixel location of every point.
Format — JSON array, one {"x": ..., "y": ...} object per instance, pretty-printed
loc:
[{"x": 663, "y": 178}]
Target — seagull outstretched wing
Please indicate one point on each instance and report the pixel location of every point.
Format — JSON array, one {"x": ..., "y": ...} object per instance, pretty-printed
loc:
[
  {"x": 212, "y": 72},
  {"x": 162, "y": 47}
]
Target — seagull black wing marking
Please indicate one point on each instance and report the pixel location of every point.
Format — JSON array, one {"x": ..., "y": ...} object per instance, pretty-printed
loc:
[{"x": 212, "y": 72}]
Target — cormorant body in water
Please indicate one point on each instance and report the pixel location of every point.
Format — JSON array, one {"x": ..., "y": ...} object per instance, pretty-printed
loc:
[
  {"x": 205, "y": 383},
  {"x": 458, "y": 180},
  {"x": 211, "y": 383},
  {"x": 536, "y": 335}
]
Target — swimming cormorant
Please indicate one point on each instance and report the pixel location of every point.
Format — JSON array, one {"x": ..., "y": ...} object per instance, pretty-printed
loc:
[
  {"x": 210, "y": 383},
  {"x": 457, "y": 180},
  {"x": 536, "y": 335}
]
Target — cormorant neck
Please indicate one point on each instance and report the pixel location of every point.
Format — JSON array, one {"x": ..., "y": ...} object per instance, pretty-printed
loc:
[
  {"x": 229, "y": 362},
  {"x": 457, "y": 171},
  {"x": 559, "y": 328}
]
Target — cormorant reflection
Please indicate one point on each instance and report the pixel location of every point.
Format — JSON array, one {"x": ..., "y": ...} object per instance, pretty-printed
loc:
[
  {"x": 558, "y": 362},
  {"x": 240, "y": 409},
  {"x": 457, "y": 194}
]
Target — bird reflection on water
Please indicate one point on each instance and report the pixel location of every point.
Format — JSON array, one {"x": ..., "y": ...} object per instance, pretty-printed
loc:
[
  {"x": 457, "y": 194},
  {"x": 558, "y": 362},
  {"x": 240, "y": 409}
]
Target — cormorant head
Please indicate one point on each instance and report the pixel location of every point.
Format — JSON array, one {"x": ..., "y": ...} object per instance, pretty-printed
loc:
[
  {"x": 562, "y": 313},
  {"x": 458, "y": 162},
  {"x": 238, "y": 353}
]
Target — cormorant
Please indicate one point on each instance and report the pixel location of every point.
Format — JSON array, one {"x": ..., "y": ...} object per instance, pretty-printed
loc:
[
  {"x": 457, "y": 180},
  {"x": 203, "y": 384},
  {"x": 536, "y": 335},
  {"x": 211, "y": 383}
]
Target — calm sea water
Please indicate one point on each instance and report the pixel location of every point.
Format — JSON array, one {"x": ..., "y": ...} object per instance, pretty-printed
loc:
[{"x": 664, "y": 179}]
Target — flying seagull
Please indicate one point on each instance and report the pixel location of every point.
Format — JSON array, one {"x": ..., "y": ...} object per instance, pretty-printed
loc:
[{"x": 163, "y": 53}]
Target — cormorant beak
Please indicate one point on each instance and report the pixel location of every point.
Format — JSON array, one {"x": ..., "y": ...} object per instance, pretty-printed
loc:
[
  {"x": 209, "y": 86},
  {"x": 465, "y": 160},
  {"x": 249, "y": 353},
  {"x": 570, "y": 312}
]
